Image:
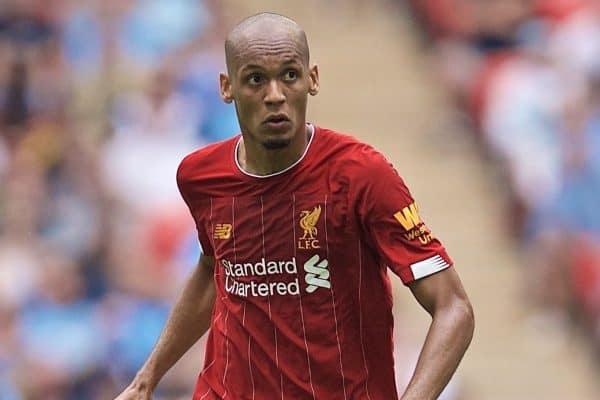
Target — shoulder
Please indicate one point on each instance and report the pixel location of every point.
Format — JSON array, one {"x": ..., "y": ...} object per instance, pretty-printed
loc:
[
  {"x": 355, "y": 157},
  {"x": 207, "y": 159},
  {"x": 337, "y": 140}
]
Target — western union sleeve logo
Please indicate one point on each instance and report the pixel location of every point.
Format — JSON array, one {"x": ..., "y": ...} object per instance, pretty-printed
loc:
[
  {"x": 412, "y": 224},
  {"x": 222, "y": 231},
  {"x": 408, "y": 217}
]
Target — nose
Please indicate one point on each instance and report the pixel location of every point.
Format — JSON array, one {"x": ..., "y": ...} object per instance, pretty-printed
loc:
[{"x": 274, "y": 94}]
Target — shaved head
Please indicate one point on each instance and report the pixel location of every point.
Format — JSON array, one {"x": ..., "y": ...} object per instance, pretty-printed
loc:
[
  {"x": 269, "y": 79},
  {"x": 267, "y": 33}
]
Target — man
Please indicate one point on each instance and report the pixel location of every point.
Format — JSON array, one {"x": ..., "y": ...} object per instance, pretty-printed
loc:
[{"x": 298, "y": 225}]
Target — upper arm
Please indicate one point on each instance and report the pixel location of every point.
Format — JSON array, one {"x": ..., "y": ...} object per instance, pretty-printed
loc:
[
  {"x": 207, "y": 263},
  {"x": 203, "y": 277},
  {"x": 439, "y": 291},
  {"x": 393, "y": 224},
  {"x": 190, "y": 193},
  {"x": 205, "y": 269}
]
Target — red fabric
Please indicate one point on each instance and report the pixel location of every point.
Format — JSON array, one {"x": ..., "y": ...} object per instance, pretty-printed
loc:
[
  {"x": 446, "y": 17},
  {"x": 165, "y": 233},
  {"x": 559, "y": 10},
  {"x": 586, "y": 275},
  {"x": 310, "y": 334}
]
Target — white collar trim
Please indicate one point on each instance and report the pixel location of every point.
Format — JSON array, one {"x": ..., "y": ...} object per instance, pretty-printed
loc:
[{"x": 237, "y": 162}]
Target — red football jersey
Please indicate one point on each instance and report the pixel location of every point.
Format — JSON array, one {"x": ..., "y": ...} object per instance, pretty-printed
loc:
[{"x": 304, "y": 305}]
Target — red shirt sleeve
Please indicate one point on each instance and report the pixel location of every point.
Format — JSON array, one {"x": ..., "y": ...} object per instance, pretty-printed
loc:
[
  {"x": 394, "y": 227},
  {"x": 183, "y": 183}
]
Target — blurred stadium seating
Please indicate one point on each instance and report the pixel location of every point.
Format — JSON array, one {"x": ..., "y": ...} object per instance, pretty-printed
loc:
[
  {"x": 100, "y": 99},
  {"x": 527, "y": 76}
]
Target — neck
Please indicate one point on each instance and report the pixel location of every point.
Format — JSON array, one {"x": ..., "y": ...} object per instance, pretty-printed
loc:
[{"x": 255, "y": 159}]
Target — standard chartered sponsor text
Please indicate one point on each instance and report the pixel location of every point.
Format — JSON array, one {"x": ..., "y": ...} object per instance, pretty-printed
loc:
[{"x": 277, "y": 270}]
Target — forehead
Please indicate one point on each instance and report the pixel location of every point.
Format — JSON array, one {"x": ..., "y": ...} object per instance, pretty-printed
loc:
[{"x": 268, "y": 52}]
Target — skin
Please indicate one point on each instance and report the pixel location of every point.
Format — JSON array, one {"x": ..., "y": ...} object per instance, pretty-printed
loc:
[
  {"x": 188, "y": 321},
  {"x": 450, "y": 332},
  {"x": 269, "y": 74}
]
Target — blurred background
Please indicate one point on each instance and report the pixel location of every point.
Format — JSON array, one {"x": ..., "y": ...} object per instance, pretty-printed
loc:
[{"x": 490, "y": 109}]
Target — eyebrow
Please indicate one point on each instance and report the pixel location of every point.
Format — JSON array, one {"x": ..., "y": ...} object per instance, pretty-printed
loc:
[
  {"x": 250, "y": 66},
  {"x": 292, "y": 61},
  {"x": 288, "y": 61}
]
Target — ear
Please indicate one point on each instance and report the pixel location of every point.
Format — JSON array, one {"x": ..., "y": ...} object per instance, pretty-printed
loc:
[
  {"x": 314, "y": 80},
  {"x": 225, "y": 88}
]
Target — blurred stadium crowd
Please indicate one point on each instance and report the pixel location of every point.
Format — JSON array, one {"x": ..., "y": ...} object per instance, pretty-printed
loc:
[
  {"x": 99, "y": 101},
  {"x": 525, "y": 78}
]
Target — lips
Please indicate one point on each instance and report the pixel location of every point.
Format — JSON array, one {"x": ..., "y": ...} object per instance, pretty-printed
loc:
[
  {"x": 276, "y": 119},
  {"x": 277, "y": 123}
]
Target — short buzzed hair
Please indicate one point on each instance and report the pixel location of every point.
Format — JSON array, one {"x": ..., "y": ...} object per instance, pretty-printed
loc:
[{"x": 265, "y": 22}]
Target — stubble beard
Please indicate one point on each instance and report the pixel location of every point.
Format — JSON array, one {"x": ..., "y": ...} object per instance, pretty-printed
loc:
[{"x": 276, "y": 144}]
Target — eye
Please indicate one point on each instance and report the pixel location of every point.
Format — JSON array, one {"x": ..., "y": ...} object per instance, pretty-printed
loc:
[
  {"x": 290, "y": 75},
  {"x": 255, "y": 79}
]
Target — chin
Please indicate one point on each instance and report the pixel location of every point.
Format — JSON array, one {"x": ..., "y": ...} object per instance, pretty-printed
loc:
[{"x": 275, "y": 144}]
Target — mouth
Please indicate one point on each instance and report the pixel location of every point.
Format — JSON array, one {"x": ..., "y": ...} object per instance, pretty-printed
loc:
[{"x": 277, "y": 121}]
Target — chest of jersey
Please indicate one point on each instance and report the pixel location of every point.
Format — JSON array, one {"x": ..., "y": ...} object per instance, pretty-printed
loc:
[{"x": 279, "y": 245}]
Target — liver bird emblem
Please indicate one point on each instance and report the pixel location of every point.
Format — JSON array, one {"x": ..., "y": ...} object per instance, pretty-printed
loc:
[{"x": 308, "y": 222}]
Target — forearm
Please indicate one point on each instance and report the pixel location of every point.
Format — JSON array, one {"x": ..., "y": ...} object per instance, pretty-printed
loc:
[
  {"x": 449, "y": 336},
  {"x": 188, "y": 321}
]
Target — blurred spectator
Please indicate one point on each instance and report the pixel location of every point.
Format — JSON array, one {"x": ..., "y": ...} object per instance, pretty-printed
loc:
[
  {"x": 139, "y": 33},
  {"x": 24, "y": 23},
  {"x": 8, "y": 355},
  {"x": 60, "y": 333},
  {"x": 152, "y": 133},
  {"x": 20, "y": 253},
  {"x": 526, "y": 71},
  {"x": 524, "y": 106},
  {"x": 199, "y": 82},
  {"x": 15, "y": 104},
  {"x": 100, "y": 100}
]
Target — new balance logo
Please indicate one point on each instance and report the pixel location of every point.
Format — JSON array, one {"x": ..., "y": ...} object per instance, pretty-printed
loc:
[
  {"x": 222, "y": 231},
  {"x": 317, "y": 274}
]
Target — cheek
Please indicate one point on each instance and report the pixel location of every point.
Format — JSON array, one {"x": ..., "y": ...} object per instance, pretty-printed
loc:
[
  {"x": 248, "y": 105},
  {"x": 298, "y": 101},
  {"x": 299, "y": 92}
]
